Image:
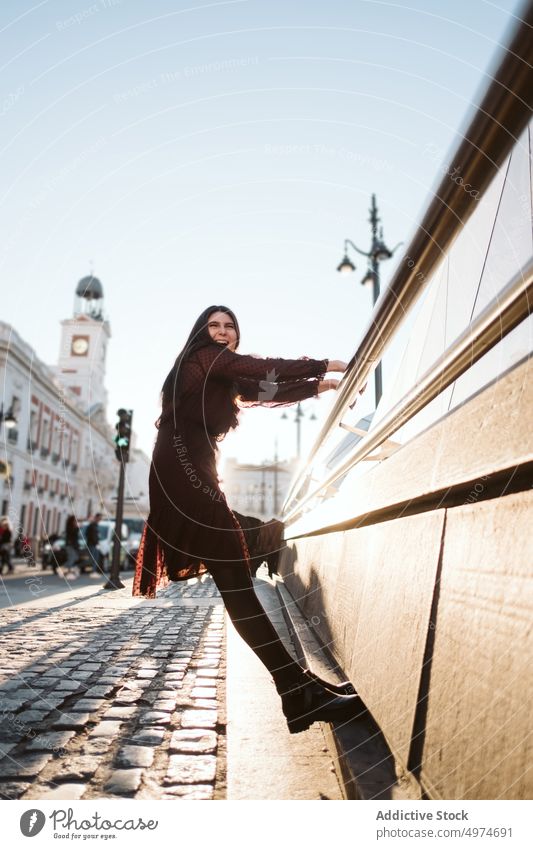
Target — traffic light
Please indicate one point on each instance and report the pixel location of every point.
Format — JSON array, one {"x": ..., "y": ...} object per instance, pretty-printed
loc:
[{"x": 123, "y": 435}]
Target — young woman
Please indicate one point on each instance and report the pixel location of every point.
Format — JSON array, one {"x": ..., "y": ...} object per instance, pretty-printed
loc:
[
  {"x": 5, "y": 545},
  {"x": 190, "y": 528},
  {"x": 72, "y": 546}
]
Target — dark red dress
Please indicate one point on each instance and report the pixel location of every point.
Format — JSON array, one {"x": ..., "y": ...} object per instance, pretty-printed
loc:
[{"x": 190, "y": 525}]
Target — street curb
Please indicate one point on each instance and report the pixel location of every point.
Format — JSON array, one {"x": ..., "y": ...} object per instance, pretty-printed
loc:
[{"x": 365, "y": 763}]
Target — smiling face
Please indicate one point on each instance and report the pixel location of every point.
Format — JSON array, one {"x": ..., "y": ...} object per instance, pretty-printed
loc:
[{"x": 222, "y": 329}]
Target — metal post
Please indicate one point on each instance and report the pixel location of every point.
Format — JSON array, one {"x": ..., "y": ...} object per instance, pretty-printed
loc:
[
  {"x": 276, "y": 477},
  {"x": 375, "y": 295},
  {"x": 263, "y": 488},
  {"x": 114, "y": 582},
  {"x": 375, "y": 286}
]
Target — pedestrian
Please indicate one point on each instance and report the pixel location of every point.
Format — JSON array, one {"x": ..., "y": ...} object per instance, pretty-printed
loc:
[
  {"x": 92, "y": 537},
  {"x": 72, "y": 546},
  {"x": 6, "y": 535},
  {"x": 191, "y": 529}
]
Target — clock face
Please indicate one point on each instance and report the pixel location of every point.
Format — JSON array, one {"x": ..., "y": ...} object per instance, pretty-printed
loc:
[{"x": 80, "y": 345}]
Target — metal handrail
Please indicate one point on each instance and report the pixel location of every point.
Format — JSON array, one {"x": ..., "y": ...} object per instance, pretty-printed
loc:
[
  {"x": 497, "y": 122},
  {"x": 510, "y": 306}
]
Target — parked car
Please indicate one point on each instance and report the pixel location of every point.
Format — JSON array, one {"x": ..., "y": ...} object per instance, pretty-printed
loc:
[
  {"x": 132, "y": 549},
  {"x": 53, "y": 552},
  {"x": 106, "y": 532}
]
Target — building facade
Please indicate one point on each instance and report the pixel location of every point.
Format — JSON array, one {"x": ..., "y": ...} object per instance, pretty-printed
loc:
[
  {"x": 57, "y": 454},
  {"x": 257, "y": 490}
]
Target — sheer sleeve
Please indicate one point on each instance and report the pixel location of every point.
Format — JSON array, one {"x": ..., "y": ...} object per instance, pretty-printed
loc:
[
  {"x": 254, "y": 393},
  {"x": 221, "y": 362}
]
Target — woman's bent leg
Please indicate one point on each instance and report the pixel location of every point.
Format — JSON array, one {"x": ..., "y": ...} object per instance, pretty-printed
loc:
[{"x": 252, "y": 623}]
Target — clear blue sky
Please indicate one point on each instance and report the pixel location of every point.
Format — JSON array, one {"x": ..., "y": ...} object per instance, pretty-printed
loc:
[{"x": 220, "y": 152}]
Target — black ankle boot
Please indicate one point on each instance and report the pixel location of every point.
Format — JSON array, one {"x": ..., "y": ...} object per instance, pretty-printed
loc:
[
  {"x": 310, "y": 702},
  {"x": 345, "y": 688}
]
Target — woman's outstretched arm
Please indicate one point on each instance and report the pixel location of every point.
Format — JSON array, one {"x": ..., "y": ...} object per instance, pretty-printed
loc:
[
  {"x": 263, "y": 393},
  {"x": 219, "y": 361}
]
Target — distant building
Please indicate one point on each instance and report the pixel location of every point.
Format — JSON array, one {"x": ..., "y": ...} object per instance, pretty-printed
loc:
[
  {"x": 56, "y": 445},
  {"x": 257, "y": 490}
]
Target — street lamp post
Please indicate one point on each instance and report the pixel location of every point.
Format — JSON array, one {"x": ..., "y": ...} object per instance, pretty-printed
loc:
[
  {"x": 377, "y": 253},
  {"x": 298, "y": 416}
]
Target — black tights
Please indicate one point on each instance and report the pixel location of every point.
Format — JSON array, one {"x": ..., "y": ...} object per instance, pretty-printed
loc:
[{"x": 252, "y": 623}]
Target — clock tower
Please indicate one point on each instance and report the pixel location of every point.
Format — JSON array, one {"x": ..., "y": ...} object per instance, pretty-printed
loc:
[{"x": 84, "y": 339}]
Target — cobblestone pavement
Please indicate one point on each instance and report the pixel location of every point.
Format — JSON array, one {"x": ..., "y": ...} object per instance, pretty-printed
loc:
[{"x": 114, "y": 700}]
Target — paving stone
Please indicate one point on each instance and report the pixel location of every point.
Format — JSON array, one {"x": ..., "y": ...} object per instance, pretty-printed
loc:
[
  {"x": 81, "y": 676},
  {"x": 47, "y": 683},
  {"x": 98, "y": 690},
  {"x": 49, "y": 741},
  {"x": 106, "y": 728},
  {"x": 91, "y": 666},
  {"x": 24, "y": 766},
  {"x": 204, "y": 682},
  {"x": 11, "y": 705},
  {"x": 5, "y": 748},
  {"x": 69, "y": 686},
  {"x": 74, "y": 721},
  {"x": 175, "y": 686},
  {"x": 147, "y": 673},
  {"x": 189, "y": 791},
  {"x": 157, "y": 717},
  {"x": 174, "y": 676},
  {"x": 167, "y": 705},
  {"x": 24, "y": 693},
  {"x": 120, "y": 712},
  {"x": 123, "y": 781},
  {"x": 166, "y": 694},
  {"x": 190, "y": 769},
  {"x": 11, "y": 733},
  {"x": 203, "y": 704},
  {"x": 49, "y": 702},
  {"x": 128, "y": 697},
  {"x": 199, "y": 719},
  {"x": 204, "y": 693},
  {"x": 78, "y": 769},
  {"x": 13, "y": 789},
  {"x": 190, "y": 741},
  {"x": 65, "y": 791},
  {"x": 32, "y": 717},
  {"x": 209, "y": 674},
  {"x": 95, "y": 746},
  {"x": 57, "y": 673},
  {"x": 147, "y": 737},
  {"x": 135, "y": 756},
  {"x": 88, "y": 704},
  {"x": 204, "y": 664}
]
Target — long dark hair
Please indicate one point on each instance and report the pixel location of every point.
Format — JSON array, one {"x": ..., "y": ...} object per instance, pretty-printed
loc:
[{"x": 199, "y": 337}]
